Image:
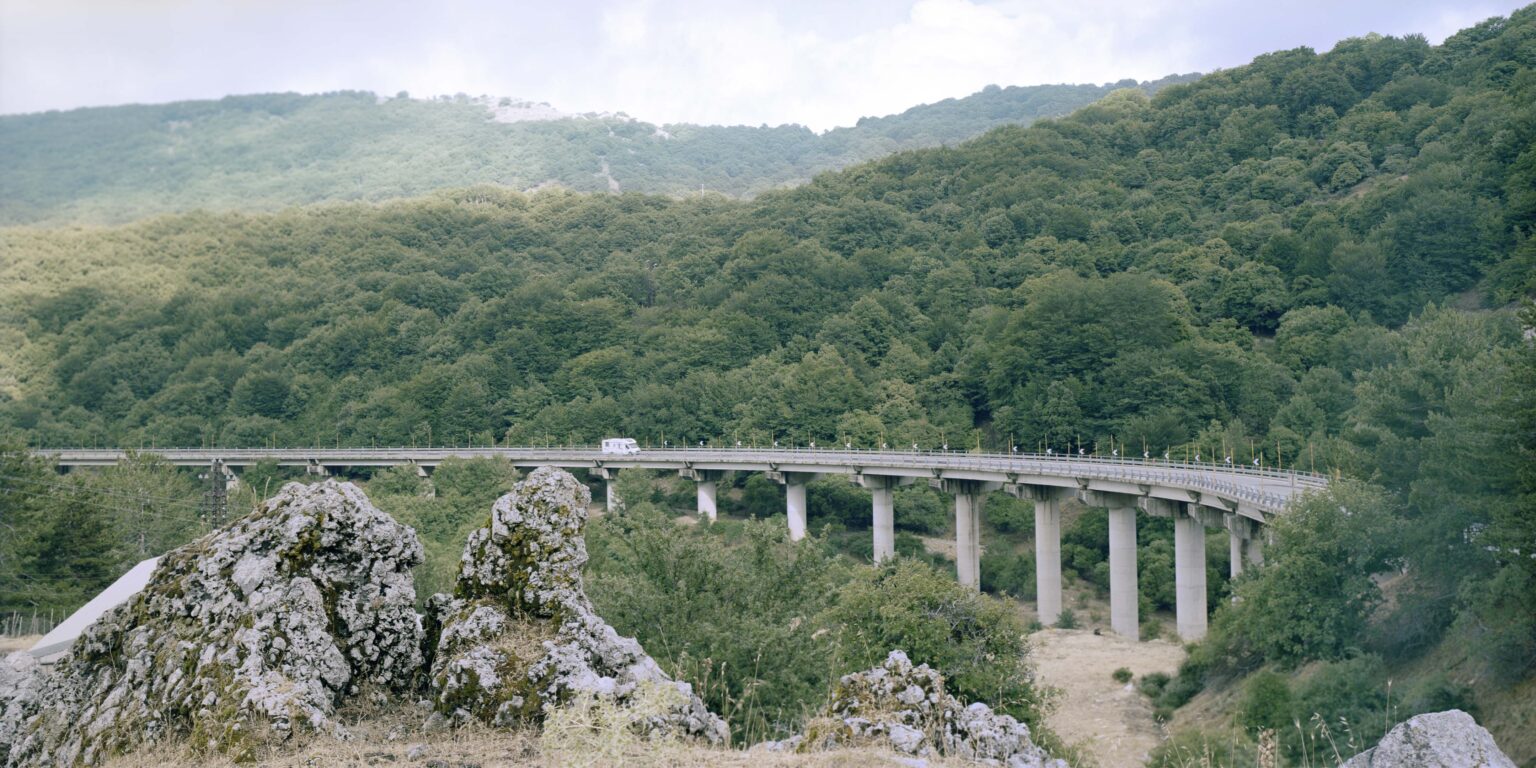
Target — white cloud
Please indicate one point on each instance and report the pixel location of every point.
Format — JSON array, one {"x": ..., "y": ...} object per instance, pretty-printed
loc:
[
  {"x": 751, "y": 67},
  {"x": 709, "y": 61}
]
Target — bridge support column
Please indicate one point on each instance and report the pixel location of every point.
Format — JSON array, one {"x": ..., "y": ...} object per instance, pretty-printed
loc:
[
  {"x": 794, "y": 499},
  {"x": 968, "y": 495},
  {"x": 708, "y": 481},
  {"x": 1189, "y": 575},
  {"x": 1047, "y": 547},
  {"x": 611, "y": 503},
  {"x": 882, "y": 495},
  {"x": 1188, "y": 562},
  {"x": 1123, "y": 594},
  {"x": 1124, "y": 597},
  {"x": 1253, "y": 549},
  {"x": 1246, "y": 543},
  {"x": 794, "y": 506},
  {"x": 1234, "y": 555}
]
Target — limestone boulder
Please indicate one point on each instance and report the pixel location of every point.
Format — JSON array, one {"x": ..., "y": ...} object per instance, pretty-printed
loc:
[
  {"x": 21, "y": 680},
  {"x": 245, "y": 636},
  {"x": 519, "y": 636},
  {"x": 1450, "y": 739},
  {"x": 905, "y": 708}
]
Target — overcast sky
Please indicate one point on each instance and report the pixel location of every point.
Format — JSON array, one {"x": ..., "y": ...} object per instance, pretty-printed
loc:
[{"x": 821, "y": 63}]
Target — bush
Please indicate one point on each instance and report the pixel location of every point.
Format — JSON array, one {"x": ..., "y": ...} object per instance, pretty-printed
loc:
[
  {"x": 908, "y": 545},
  {"x": 1122, "y": 675},
  {"x": 835, "y": 500},
  {"x": 762, "y": 627},
  {"x": 1266, "y": 703},
  {"x": 1313, "y": 597},
  {"x": 978, "y": 642},
  {"x": 1168, "y": 693},
  {"x": 1010, "y": 574},
  {"x": 478, "y": 480},
  {"x": 1067, "y": 619},
  {"x": 400, "y": 480},
  {"x": 921, "y": 509},
  {"x": 736, "y": 618},
  {"x": 1010, "y": 515},
  {"x": 760, "y": 497}
]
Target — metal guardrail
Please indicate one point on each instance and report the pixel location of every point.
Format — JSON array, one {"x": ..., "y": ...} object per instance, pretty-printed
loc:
[{"x": 1265, "y": 487}]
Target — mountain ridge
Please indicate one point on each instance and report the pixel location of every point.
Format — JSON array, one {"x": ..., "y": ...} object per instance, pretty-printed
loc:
[{"x": 110, "y": 165}]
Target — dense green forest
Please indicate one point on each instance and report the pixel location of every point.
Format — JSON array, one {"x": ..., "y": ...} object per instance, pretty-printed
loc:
[
  {"x": 1316, "y": 259},
  {"x": 115, "y": 164}
]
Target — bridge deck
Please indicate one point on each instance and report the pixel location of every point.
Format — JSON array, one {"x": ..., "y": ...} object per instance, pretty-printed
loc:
[{"x": 1251, "y": 491}]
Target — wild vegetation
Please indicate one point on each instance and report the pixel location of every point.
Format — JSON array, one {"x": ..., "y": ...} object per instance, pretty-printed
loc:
[
  {"x": 1311, "y": 261},
  {"x": 261, "y": 152}
]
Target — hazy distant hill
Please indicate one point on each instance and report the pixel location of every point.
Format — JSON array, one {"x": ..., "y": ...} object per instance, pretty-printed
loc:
[{"x": 113, "y": 164}]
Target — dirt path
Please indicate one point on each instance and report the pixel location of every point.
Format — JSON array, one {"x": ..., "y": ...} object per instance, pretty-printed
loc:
[{"x": 1112, "y": 722}]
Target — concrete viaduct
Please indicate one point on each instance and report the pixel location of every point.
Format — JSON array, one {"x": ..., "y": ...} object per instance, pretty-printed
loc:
[{"x": 1237, "y": 499}]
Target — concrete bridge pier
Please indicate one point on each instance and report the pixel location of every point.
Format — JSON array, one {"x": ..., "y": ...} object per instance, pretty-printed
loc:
[
  {"x": 708, "y": 481},
  {"x": 882, "y": 495},
  {"x": 611, "y": 502},
  {"x": 1124, "y": 595},
  {"x": 1246, "y": 546},
  {"x": 1188, "y": 563},
  {"x": 1047, "y": 501},
  {"x": 794, "y": 499},
  {"x": 968, "y": 495}
]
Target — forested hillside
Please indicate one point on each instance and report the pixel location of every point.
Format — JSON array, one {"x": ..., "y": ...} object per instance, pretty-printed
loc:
[
  {"x": 115, "y": 164},
  {"x": 1310, "y": 259}
]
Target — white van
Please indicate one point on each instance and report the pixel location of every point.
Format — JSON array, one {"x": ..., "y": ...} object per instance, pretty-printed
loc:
[{"x": 623, "y": 446}]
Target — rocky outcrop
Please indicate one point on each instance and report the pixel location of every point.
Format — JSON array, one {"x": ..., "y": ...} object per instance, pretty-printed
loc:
[
  {"x": 21, "y": 677},
  {"x": 905, "y": 708},
  {"x": 248, "y": 634},
  {"x": 520, "y": 636},
  {"x": 1450, "y": 739}
]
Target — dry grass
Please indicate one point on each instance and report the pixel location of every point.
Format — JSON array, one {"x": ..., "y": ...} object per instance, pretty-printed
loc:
[
  {"x": 388, "y": 735},
  {"x": 10, "y": 644}
]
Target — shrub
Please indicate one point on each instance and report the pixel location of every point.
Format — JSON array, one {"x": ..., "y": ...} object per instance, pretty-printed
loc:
[
  {"x": 762, "y": 626},
  {"x": 1007, "y": 573},
  {"x": 729, "y": 608},
  {"x": 1010, "y": 515},
  {"x": 837, "y": 500},
  {"x": 1067, "y": 619},
  {"x": 1122, "y": 675},
  {"x": 480, "y": 480},
  {"x": 908, "y": 545},
  {"x": 1313, "y": 597},
  {"x": 1266, "y": 703},
  {"x": 400, "y": 480},
  {"x": 1152, "y": 684},
  {"x": 978, "y": 642},
  {"x": 760, "y": 497},
  {"x": 921, "y": 509}
]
